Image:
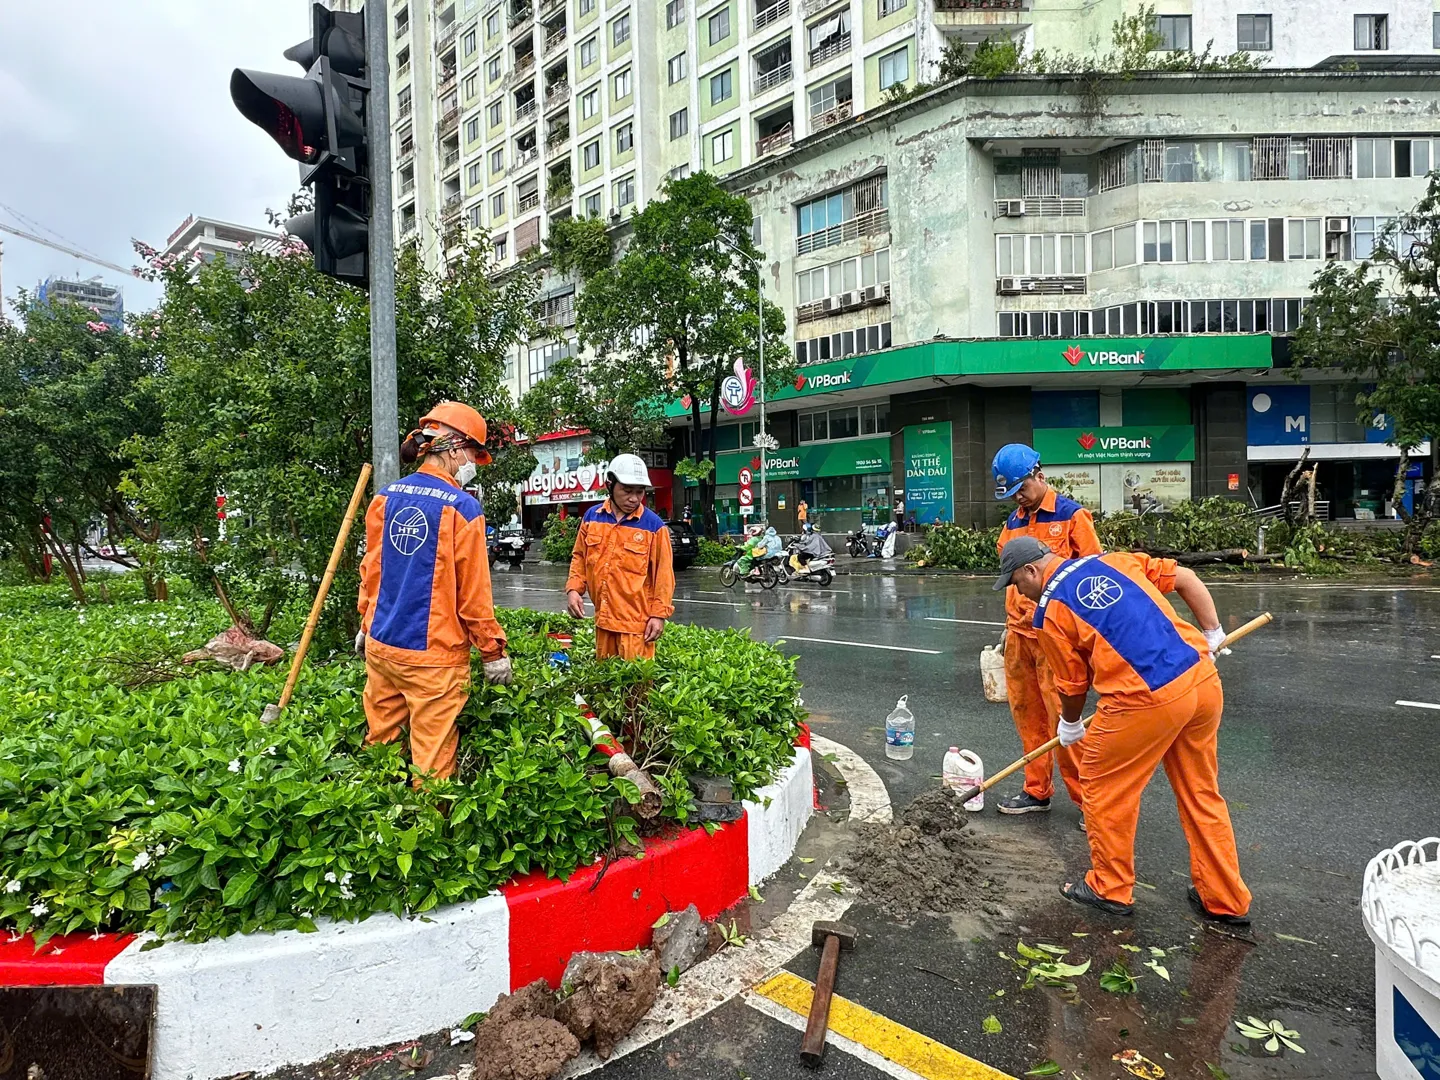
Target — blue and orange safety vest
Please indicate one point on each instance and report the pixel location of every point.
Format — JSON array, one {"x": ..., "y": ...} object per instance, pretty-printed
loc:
[
  {"x": 1062, "y": 525},
  {"x": 626, "y": 566}
]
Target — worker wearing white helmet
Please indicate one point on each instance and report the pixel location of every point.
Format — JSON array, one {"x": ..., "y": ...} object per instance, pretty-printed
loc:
[{"x": 622, "y": 559}]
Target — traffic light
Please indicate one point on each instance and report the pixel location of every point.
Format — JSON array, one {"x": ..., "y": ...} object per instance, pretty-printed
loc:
[{"x": 319, "y": 120}]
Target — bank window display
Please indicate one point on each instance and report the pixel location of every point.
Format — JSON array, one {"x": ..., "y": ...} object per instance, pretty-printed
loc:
[
  {"x": 845, "y": 343},
  {"x": 824, "y": 425},
  {"x": 847, "y": 502}
]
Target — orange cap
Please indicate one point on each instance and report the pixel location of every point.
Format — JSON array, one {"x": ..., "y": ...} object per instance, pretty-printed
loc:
[{"x": 463, "y": 419}]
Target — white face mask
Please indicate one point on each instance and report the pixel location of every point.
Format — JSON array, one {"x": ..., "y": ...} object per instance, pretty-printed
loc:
[{"x": 465, "y": 474}]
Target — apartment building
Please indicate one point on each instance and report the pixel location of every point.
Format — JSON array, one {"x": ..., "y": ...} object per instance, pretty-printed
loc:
[
  {"x": 204, "y": 239},
  {"x": 988, "y": 263},
  {"x": 105, "y": 300}
]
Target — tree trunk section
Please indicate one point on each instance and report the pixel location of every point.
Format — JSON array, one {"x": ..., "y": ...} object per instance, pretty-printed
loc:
[{"x": 1288, "y": 488}]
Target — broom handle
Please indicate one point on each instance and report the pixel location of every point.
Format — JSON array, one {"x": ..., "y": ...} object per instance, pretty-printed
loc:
[
  {"x": 1045, "y": 748},
  {"x": 335, "y": 553}
]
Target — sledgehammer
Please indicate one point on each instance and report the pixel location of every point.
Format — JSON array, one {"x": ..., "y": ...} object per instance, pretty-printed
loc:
[
  {"x": 1045, "y": 748},
  {"x": 832, "y": 936}
]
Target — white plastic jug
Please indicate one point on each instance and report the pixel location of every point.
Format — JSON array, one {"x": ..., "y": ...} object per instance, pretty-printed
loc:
[
  {"x": 992, "y": 673},
  {"x": 900, "y": 732},
  {"x": 961, "y": 771}
]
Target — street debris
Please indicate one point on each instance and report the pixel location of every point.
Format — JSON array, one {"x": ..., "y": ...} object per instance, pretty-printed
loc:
[
  {"x": 680, "y": 939},
  {"x": 1137, "y": 1064},
  {"x": 1272, "y": 1031},
  {"x": 521, "y": 1039},
  {"x": 237, "y": 650},
  {"x": 607, "y": 994},
  {"x": 926, "y": 860}
]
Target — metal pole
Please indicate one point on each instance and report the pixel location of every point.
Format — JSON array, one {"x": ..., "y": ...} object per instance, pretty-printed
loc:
[
  {"x": 384, "y": 418},
  {"x": 764, "y": 432}
]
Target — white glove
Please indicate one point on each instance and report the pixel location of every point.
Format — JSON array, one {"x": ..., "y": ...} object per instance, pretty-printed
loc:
[
  {"x": 1071, "y": 733},
  {"x": 1215, "y": 639},
  {"x": 498, "y": 671},
  {"x": 360, "y": 643}
]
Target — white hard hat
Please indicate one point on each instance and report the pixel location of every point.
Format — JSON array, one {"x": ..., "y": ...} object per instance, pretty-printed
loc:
[{"x": 628, "y": 469}]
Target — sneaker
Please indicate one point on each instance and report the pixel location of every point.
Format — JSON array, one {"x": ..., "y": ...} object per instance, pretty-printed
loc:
[
  {"x": 1081, "y": 825},
  {"x": 1193, "y": 895},
  {"x": 1024, "y": 803}
]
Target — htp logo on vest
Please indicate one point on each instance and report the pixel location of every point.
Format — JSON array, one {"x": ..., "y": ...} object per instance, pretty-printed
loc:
[{"x": 1102, "y": 358}]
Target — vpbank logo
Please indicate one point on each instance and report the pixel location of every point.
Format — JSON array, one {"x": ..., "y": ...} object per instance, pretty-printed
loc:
[
  {"x": 1074, "y": 354},
  {"x": 1086, "y": 441},
  {"x": 822, "y": 382}
]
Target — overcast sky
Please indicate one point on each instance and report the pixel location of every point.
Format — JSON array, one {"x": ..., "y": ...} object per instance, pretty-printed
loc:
[{"x": 116, "y": 121}]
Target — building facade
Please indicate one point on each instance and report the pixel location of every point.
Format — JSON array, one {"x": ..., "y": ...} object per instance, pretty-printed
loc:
[
  {"x": 105, "y": 300},
  {"x": 992, "y": 262},
  {"x": 202, "y": 239}
]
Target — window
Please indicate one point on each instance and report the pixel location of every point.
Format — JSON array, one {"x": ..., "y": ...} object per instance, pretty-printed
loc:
[
  {"x": 590, "y": 154},
  {"x": 845, "y": 276},
  {"x": 718, "y": 26},
  {"x": 470, "y": 86},
  {"x": 472, "y": 129},
  {"x": 679, "y": 123},
  {"x": 589, "y": 104},
  {"x": 543, "y": 357},
  {"x": 1227, "y": 240},
  {"x": 674, "y": 14},
  {"x": 586, "y": 7},
  {"x": 1174, "y": 33},
  {"x": 679, "y": 172},
  {"x": 402, "y": 22},
  {"x": 890, "y": 7},
  {"x": 474, "y": 175},
  {"x": 497, "y": 206},
  {"x": 500, "y": 247},
  {"x": 492, "y": 69},
  {"x": 1372, "y": 33},
  {"x": 468, "y": 43},
  {"x": 492, "y": 24},
  {"x": 624, "y": 138},
  {"x": 677, "y": 67},
  {"x": 592, "y": 205},
  {"x": 755, "y": 231},
  {"x": 1258, "y": 250},
  {"x": 402, "y": 101},
  {"x": 865, "y": 339},
  {"x": 587, "y": 52},
  {"x": 829, "y": 37},
  {"x": 824, "y": 99},
  {"x": 1304, "y": 238},
  {"x": 1373, "y": 158},
  {"x": 475, "y": 216},
  {"x": 1366, "y": 233},
  {"x": 621, "y": 84},
  {"x": 625, "y": 191},
  {"x": 1253, "y": 33},
  {"x": 1164, "y": 241},
  {"x": 818, "y": 220},
  {"x": 895, "y": 68},
  {"x": 1435, "y": 30},
  {"x": 722, "y": 146},
  {"x": 497, "y": 160},
  {"x": 720, "y": 87},
  {"x": 496, "y": 113},
  {"x": 1412, "y": 157},
  {"x": 1036, "y": 255},
  {"x": 620, "y": 30}
]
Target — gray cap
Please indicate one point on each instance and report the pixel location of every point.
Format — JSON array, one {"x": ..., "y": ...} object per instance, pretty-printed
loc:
[{"x": 1021, "y": 551}]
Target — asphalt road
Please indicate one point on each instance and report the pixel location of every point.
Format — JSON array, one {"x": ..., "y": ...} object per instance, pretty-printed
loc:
[{"x": 1320, "y": 767}]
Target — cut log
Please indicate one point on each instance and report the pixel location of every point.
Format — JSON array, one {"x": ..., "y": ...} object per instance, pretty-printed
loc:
[{"x": 1234, "y": 556}]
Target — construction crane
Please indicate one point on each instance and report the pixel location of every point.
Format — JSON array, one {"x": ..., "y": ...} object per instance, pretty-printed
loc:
[{"x": 127, "y": 270}]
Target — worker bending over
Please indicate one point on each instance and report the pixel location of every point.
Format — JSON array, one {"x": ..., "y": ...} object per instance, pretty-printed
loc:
[
  {"x": 425, "y": 592},
  {"x": 1160, "y": 701},
  {"x": 1068, "y": 530},
  {"x": 622, "y": 558}
]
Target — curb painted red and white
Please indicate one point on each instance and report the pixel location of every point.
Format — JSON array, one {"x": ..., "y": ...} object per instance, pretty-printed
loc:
[{"x": 262, "y": 1001}]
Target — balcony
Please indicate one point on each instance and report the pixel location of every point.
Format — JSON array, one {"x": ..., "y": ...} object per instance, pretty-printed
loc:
[
  {"x": 870, "y": 296},
  {"x": 840, "y": 112},
  {"x": 1040, "y": 286},
  {"x": 814, "y": 7},
  {"x": 554, "y": 40},
  {"x": 971, "y": 21},
  {"x": 525, "y": 157},
  {"x": 519, "y": 15},
  {"x": 529, "y": 201},
  {"x": 407, "y": 186},
  {"x": 768, "y": 80},
  {"x": 550, "y": 7},
  {"x": 981, "y": 5},
  {"x": 524, "y": 69},
  {"x": 406, "y": 152},
  {"x": 558, "y": 198},
  {"x": 449, "y": 123},
  {"x": 556, "y": 94},
  {"x": 402, "y": 71},
  {"x": 401, "y": 30},
  {"x": 446, "y": 86},
  {"x": 452, "y": 160},
  {"x": 522, "y": 111},
  {"x": 831, "y": 49},
  {"x": 450, "y": 212},
  {"x": 778, "y": 140},
  {"x": 774, "y": 13},
  {"x": 870, "y": 223},
  {"x": 403, "y": 109},
  {"x": 1039, "y": 206},
  {"x": 445, "y": 36},
  {"x": 557, "y": 136}
]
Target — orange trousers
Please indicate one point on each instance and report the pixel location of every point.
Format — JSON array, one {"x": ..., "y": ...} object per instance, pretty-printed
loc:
[
  {"x": 426, "y": 700},
  {"x": 625, "y": 646},
  {"x": 1035, "y": 707},
  {"x": 1118, "y": 757}
]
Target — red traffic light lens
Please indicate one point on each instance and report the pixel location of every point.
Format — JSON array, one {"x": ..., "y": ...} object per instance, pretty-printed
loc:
[{"x": 282, "y": 107}]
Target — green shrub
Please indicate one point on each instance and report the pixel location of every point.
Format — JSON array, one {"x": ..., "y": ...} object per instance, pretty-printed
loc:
[
  {"x": 558, "y": 540},
  {"x": 714, "y": 553},
  {"x": 171, "y": 808},
  {"x": 957, "y": 547}
]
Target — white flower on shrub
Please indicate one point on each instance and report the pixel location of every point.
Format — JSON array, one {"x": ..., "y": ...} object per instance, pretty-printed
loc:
[
  {"x": 270, "y": 751},
  {"x": 235, "y": 765},
  {"x": 39, "y": 908},
  {"x": 149, "y": 802},
  {"x": 160, "y": 850},
  {"x": 330, "y": 877},
  {"x": 142, "y": 860},
  {"x": 12, "y": 886}
]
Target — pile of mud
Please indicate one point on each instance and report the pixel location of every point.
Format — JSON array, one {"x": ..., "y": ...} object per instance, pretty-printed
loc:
[{"x": 927, "y": 860}]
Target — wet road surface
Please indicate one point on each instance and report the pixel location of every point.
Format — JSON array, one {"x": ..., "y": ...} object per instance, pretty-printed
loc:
[{"x": 1321, "y": 769}]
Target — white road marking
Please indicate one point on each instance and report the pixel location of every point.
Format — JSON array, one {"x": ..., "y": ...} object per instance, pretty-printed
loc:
[
  {"x": 776, "y": 1011},
  {"x": 1419, "y": 704},
  {"x": 857, "y": 644},
  {"x": 707, "y": 592},
  {"x": 968, "y": 622},
  {"x": 1435, "y": 658},
  {"x": 717, "y": 603}
]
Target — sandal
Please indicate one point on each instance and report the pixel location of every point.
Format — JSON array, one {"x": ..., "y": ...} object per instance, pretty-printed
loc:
[
  {"x": 1081, "y": 893},
  {"x": 1193, "y": 895}
]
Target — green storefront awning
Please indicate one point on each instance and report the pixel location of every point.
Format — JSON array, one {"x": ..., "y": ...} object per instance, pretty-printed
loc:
[
  {"x": 962, "y": 359},
  {"x": 1069, "y": 446},
  {"x": 855, "y": 457}
]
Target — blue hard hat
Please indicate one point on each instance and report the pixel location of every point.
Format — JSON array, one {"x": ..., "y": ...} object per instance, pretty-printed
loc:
[{"x": 1012, "y": 466}]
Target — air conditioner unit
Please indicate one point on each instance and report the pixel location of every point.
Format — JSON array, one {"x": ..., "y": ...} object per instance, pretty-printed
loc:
[
  {"x": 847, "y": 300},
  {"x": 614, "y": 215},
  {"x": 873, "y": 293},
  {"x": 1014, "y": 207},
  {"x": 1008, "y": 285},
  {"x": 1337, "y": 225},
  {"x": 830, "y": 303}
]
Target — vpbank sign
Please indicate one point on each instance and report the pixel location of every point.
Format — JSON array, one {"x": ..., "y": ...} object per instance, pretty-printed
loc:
[
  {"x": 1071, "y": 446},
  {"x": 1103, "y": 358},
  {"x": 831, "y": 381}
]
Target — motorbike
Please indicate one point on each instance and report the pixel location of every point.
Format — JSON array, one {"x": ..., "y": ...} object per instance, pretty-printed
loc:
[
  {"x": 860, "y": 543},
  {"x": 820, "y": 568},
  {"x": 509, "y": 543},
  {"x": 765, "y": 572}
]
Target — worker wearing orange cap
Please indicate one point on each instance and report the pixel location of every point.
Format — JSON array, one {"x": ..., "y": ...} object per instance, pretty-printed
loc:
[
  {"x": 623, "y": 559},
  {"x": 1067, "y": 529},
  {"x": 425, "y": 592},
  {"x": 1160, "y": 701}
]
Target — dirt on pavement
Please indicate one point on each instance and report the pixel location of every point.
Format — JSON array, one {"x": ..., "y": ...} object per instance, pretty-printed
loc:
[{"x": 521, "y": 1039}]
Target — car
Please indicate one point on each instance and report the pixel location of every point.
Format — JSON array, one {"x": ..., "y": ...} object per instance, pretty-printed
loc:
[{"x": 684, "y": 544}]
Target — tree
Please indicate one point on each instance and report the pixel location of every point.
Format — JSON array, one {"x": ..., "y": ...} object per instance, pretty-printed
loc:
[
  {"x": 1379, "y": 321},
  {"x": 264, "y": 382},
  {"x": 678, "y": 309}
]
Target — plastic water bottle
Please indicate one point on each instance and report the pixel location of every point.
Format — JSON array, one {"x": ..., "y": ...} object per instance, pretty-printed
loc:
[
  {"x": 963, "y": 770},
  {"x": 900, "y": 732}
]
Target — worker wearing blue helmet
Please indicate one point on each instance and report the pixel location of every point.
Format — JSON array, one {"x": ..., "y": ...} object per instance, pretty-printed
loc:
[{"x": 1068, "y": 530}]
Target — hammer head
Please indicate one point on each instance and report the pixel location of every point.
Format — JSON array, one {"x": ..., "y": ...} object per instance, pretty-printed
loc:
[{"x": 844, "y": 932}]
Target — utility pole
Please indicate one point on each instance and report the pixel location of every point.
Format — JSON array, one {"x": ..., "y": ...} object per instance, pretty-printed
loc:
[{"x": 384, "y": 410}]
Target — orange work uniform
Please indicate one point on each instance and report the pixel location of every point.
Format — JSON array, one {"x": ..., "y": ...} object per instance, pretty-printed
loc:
[
  {"x": 1067, "y": 529},
  {"x": 425, "y": 600},
  {"x": 627, "y": 567},
  {"x": 1160, "y": 701}
]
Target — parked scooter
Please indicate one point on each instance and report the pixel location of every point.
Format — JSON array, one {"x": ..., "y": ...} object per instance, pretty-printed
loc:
[{"x": 858, "y": 543}]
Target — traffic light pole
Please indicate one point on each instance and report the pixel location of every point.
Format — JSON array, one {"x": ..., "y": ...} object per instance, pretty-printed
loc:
[{"x": 384, "y": 419}]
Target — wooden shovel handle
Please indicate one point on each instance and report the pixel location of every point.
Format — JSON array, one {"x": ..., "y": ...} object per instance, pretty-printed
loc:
[{"x": 1045, "y": 748}]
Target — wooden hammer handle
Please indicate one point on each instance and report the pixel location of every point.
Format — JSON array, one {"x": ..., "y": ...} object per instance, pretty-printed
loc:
[
  {"x": 812, "y": 1046},
  {"x": 1045, "y": 748}
]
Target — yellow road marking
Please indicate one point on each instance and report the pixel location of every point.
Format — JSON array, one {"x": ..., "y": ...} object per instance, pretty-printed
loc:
[{"x": 894, "y": 1042}]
